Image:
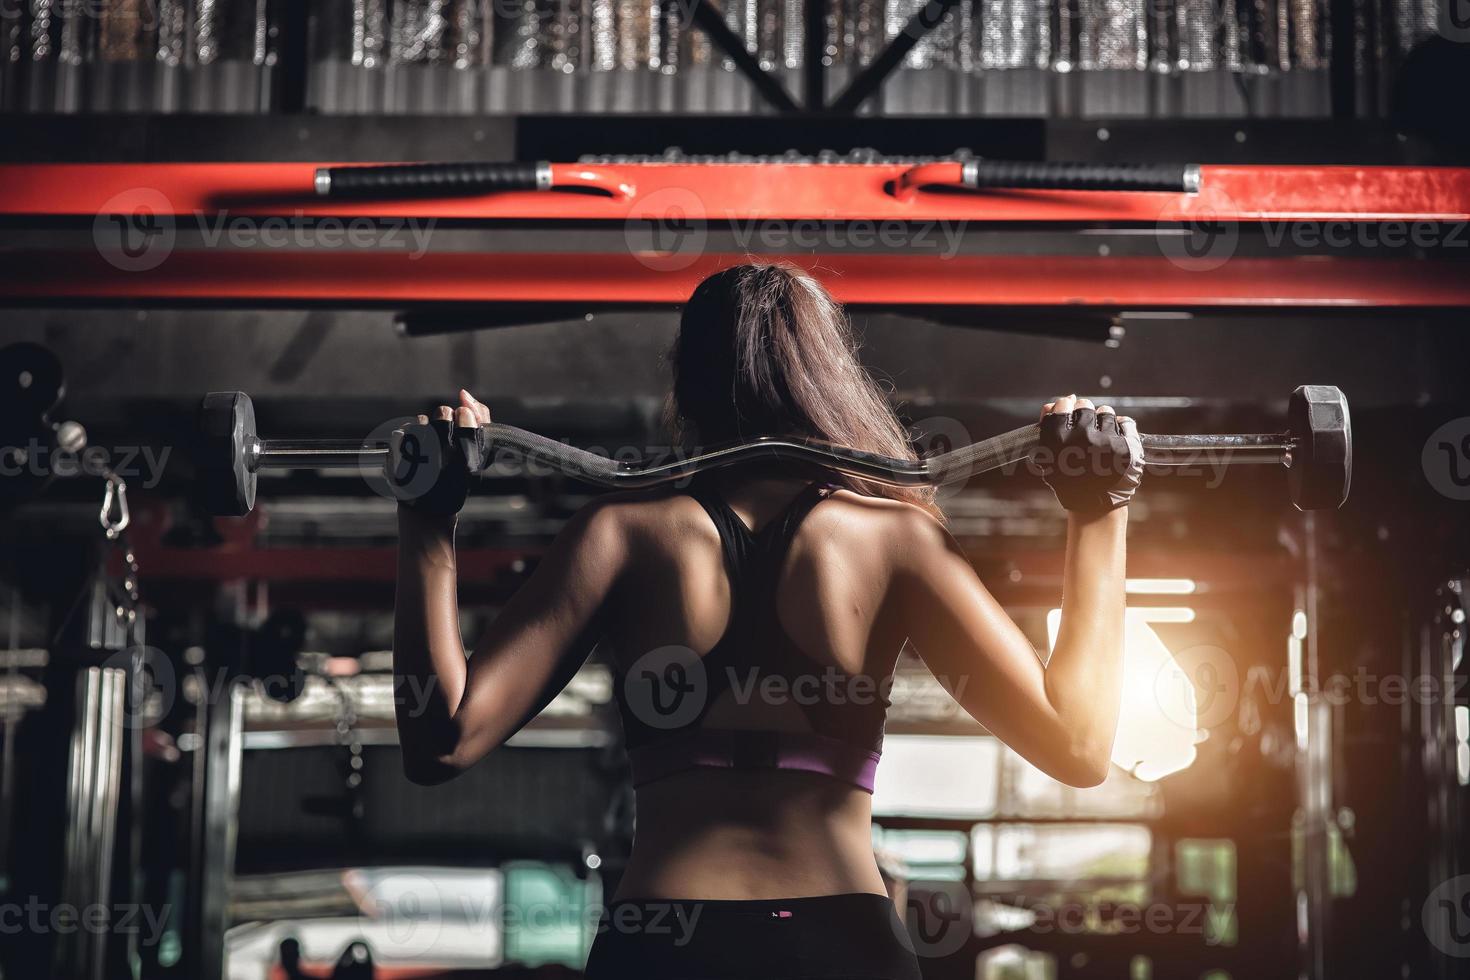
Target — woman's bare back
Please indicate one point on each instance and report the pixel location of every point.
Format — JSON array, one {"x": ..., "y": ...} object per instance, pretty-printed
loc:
[{"x": 732, "y": 834}]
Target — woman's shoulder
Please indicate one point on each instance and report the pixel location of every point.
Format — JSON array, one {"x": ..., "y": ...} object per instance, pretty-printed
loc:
[
  {"x": 631, "y": 513},
  {"x": 841, "y": 517},
  {"x": 855, "y": 529},
  {"x": 878, "y": 514}
]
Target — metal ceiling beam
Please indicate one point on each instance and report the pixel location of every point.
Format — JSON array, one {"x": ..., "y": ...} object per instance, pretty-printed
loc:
[
  {"x": 709, "y": 18},
  {"x": 871, "y": 78}
]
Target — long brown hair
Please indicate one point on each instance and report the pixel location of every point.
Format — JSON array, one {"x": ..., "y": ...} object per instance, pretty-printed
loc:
[{"x": 764, "y": 350}]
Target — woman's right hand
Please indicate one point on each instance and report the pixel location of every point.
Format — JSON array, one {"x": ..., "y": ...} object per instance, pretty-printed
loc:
[
  {"x": 1090, "y": 457},
  {"x": 431, "y": 462},
  {"x": 1059, "y": 713}
]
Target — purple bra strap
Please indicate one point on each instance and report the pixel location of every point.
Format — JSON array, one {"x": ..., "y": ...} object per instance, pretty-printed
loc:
[{"x": 724, "y": 748}]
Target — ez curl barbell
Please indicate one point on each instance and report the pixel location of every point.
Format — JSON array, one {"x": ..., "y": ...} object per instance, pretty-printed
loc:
[{"x": 1316, "y": 447}]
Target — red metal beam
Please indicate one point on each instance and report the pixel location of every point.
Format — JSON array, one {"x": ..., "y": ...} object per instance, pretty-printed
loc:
[
  {"x": 369, "y": 278},
  {"x": 727, "y": 192}
]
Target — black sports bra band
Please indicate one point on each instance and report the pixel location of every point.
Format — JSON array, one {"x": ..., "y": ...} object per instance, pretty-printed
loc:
[{"x": 844, "y": 738}]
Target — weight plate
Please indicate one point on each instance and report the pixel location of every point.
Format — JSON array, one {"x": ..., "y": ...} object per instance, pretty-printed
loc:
[
  {"x": 1322, "y": 461},
  {"x": 227, "y": 438}
]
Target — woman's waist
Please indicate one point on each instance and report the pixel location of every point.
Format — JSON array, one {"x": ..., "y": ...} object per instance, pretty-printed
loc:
[
  {"x": 752, "y": 835},
  {"x": 762, "y": 802},
  {"x": 776, "y": 840},
  {"x": 716, "y": 874},
  {"x": 843, "y": 904},
  {"x": 750, "y": 749}
]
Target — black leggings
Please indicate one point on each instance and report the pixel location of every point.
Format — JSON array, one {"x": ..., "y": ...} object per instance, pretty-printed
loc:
[{"x": 855, "y": 937}]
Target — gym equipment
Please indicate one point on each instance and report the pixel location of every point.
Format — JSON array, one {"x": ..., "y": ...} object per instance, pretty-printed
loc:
[
  {"x": 273, "y": 653},
  {"x": 452, "y": 179},
  {"x": 32, "y": 386},
  {"x": 94, "y": 793},
  {"x": 31, "y": 382},
  {"x": 1120, "y": 178},
  {"x": 400, "y": 180},
  {"x": 641, "y": 207},
  {"x": 1317, "y": 447},
  {"x": 354, "y": 963}
]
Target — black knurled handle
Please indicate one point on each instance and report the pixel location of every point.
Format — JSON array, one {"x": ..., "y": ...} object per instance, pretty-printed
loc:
[
  {"x": 429, "y": 179},
  {"x": 1035, "y": 175}
]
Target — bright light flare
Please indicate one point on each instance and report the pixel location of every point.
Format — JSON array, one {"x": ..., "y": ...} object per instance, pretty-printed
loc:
[
  {"x": 1158, "y": 726},
  {"x": 1159, "y": 586}
]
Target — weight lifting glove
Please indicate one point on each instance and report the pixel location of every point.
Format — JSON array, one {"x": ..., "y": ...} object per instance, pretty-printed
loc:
[
  {"x": 429, "y": 467},
  {"x": 1092, "y": 462}
]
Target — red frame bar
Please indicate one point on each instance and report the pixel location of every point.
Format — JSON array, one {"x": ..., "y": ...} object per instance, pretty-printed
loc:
[
  {"x": 374, "y": 278},
  {"x": 917, "y": 178},
  {"x": 724, "y": 192},
  {"x": 739, "y": 192},
  {"x": 609, "y": 182}
]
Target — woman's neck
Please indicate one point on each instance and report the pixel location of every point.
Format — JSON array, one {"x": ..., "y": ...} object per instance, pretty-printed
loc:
[{"x": 772, "y": 477}]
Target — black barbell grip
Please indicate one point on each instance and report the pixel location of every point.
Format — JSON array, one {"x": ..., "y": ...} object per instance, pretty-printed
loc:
[
  {"x": 1011, "y": 448},
  {"x": 1039, "y": 175},
  {"x": 432, "y": 179}
]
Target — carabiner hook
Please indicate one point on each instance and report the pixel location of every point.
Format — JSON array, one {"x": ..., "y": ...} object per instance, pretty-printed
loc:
[{"x": 114, "y": 502}]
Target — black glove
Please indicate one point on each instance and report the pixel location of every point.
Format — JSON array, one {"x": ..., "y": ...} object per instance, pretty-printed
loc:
[
  {"x": 1092, "y": 461},
  {"x": 429, "y": 465}
]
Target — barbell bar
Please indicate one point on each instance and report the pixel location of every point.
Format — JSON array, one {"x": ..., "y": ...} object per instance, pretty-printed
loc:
[{"x": 1316, "y": 448}]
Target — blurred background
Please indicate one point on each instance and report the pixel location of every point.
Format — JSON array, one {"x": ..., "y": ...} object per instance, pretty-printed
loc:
[
  {"x": 196, "y": 715},
  {"x": 1152, "y": 58}
]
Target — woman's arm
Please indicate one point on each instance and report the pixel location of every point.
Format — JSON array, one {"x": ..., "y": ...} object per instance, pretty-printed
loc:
[
  {"x": 1061, "y": 716},
  {"x": 452, "y": 709}
]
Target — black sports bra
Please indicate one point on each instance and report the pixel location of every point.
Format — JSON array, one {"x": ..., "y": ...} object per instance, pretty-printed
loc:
[{"x": 665, "y": 695}]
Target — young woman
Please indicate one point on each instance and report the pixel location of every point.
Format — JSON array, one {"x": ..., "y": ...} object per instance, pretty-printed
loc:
[{"x": 753, "y": 618}]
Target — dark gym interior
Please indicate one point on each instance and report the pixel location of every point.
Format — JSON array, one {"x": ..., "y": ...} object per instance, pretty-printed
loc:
[{"x": 200, "y": 774}]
